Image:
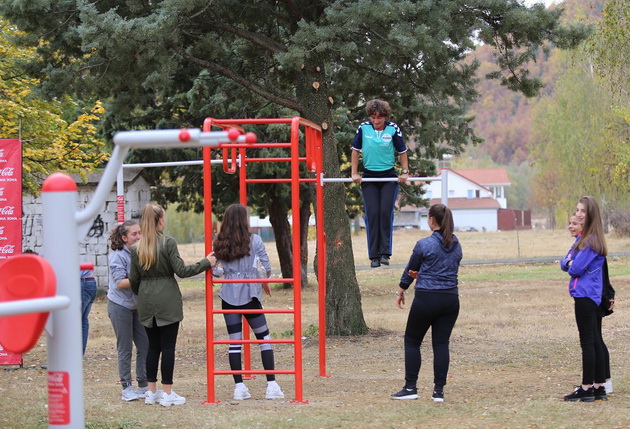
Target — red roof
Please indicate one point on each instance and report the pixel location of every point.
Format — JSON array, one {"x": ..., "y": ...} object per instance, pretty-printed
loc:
[
  {"x": 469, "y": 203},
  {"x": 486, "y": 176}
]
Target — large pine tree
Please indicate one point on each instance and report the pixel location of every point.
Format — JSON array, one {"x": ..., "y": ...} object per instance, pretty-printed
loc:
[{"x": 173, "y": 62}]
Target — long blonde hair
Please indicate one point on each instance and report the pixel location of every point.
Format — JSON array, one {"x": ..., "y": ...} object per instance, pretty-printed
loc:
[{"x": 147, "y": 245}]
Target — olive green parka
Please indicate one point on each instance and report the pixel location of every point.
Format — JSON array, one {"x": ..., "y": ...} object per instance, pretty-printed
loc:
[{"x": 158, "y": 293}]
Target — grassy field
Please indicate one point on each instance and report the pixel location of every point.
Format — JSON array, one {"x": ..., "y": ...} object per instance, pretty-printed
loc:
[{"x": 514, "y": 354}]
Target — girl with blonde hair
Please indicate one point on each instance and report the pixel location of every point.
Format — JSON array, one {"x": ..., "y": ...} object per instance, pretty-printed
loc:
[{"x": 155, "y": 261}]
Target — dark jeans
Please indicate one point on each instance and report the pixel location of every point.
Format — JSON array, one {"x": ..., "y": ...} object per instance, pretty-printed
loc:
[
  {"x": 88, "y": 295},
  {"x": 438, "y": 311},
  {"x": 379, "y": 199},
  {"x": 589, "y": 326},
  {"x": 162, "y": 341}
]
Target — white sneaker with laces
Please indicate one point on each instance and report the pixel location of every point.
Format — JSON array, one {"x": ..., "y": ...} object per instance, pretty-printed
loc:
[
  {"x": 172, "y": 399},
  {"x": 241, "y": 392},
  {"x": 128, "y": 394},
  {"x": 141, "y": 392},
  {"x": 153, "y": 398},
  {"x": 608, "y": 386},
  {"x": 274, "y": 391}
]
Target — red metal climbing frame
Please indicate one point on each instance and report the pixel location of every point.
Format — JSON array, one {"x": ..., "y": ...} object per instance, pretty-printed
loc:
[{"x": 235, "y": 160}]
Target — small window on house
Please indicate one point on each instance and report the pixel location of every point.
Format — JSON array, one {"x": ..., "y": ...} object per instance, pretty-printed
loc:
[
  {"x": 429, "y": 194},
  {"x": 477, "y": 193},
  {"x": 470, "y": 193}
]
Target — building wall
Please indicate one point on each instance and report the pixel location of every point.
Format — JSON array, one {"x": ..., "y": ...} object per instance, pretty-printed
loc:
[
  {"x": 458, "y": 187},
  {"x": 480, "y": 219},
  {"x": 94, "y": 247}
]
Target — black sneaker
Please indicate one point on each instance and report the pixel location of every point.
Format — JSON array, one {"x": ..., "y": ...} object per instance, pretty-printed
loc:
[
  {"x": 384, "y": 260},
  {"x": 581, "y": 395},
  {"x": 406, "y": 394},
  {"x": 438, "y": 396},
  {"x": 375, "y": 263},
  {"x": 600, "y": 393}
]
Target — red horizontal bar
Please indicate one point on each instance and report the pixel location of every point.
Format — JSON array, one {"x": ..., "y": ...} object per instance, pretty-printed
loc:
[
  {"x": 253, "y": 341},
  {"x": 251, "y": 371},
  {"x": 272, "y": 159},
  {"x": 305, "y": 180},
  {"x": 304, "y": 122},
  {"x": 289, "y": 280},
  {"x": 252, "y": 145},
  {"x": 252, "y": 311}
]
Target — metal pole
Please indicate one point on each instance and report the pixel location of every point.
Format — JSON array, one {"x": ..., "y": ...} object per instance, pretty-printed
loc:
[
  {"x": 444, "y": 177},
  {"x": 64, "y": 334}
]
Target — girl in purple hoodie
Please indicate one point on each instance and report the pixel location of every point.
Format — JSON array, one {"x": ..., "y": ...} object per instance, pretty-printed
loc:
[{"x": 584, "y": 264}]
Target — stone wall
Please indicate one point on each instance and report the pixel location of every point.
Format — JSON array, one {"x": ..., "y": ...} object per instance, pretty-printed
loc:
[{"x": 94, "y": 247}]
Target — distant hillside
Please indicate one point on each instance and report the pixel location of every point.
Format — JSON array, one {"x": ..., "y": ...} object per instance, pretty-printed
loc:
[{"x": 503, "y": 117}]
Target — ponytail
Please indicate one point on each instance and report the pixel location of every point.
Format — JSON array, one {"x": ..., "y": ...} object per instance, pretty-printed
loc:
[
  {"x": 444, "y": 218},
  {"x": 120, "y": 231},
  {"x": 147, "y": 245}
]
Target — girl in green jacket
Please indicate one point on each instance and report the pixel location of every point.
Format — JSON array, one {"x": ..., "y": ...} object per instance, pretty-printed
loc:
[{"x": 154, "y": 262}]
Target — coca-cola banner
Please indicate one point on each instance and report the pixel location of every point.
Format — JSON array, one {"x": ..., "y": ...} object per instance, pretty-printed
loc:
[{"x": 10, "y": 198}]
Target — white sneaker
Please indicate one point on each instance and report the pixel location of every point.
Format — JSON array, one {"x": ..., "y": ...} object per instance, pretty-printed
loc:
[
  {"x": 141, "y": 392},
  {"x": 128, "y": 394},
  {"x": 172, "y": 399},
  {"x": 274, "y": 391},
  {"x": 608, "y": 386},
  {"x": 153, "y": 398},
  {"x": 241, "y": 392}
]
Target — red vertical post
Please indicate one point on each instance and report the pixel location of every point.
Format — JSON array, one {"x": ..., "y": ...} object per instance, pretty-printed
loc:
[
  {"x": 297, "y": 266},
  {"x": 242, "y": 186},
  {"x": 321, "y": 252},
  {"x": 208, "y": 230}
]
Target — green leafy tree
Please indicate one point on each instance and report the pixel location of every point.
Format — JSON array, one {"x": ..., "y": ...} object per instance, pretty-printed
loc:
[
  {"x": 173, "y": 62},
  {"x": 576, "y": 150},
  {"x": 56, "y": 135}
]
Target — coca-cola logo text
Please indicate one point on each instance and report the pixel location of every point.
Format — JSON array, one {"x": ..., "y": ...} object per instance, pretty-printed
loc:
[
  {"x": 7, "y": 249},
  {"x": 7, "y": 210},
  {"x": 7, "y": 172}
]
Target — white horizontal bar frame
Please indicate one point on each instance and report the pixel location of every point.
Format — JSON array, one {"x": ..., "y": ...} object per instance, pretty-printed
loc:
[
  {"x": 381, "y": 179},
  {"x": 35, "y": 305}
]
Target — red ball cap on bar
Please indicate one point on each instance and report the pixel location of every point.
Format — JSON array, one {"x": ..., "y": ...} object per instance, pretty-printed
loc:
[
  {"x": 184, "y": 136},
  {"x": 250, "y": 138},
  {"x": 233, "y": 134},
  {"x": 59, "y": 182}
]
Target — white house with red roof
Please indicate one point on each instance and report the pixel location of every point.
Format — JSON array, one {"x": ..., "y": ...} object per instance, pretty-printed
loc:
[{"x": 475, "y": 197}]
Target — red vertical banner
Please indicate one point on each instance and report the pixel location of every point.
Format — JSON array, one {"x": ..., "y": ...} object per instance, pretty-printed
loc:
[
  {"x": 10, "y": 214},
  {"x": 10, "y": 198},
  {"x": 120, "y": 203}
]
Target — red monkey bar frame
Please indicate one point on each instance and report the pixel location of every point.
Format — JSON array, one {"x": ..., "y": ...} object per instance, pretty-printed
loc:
[{"x": 314, "y": 164}]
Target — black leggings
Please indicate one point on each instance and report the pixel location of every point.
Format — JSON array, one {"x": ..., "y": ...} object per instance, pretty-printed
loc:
[
  {"x": 593, "y": 355},
  {"x": 258, "y": 323},
  {"x": 162, "y": 341},
  {"x": 438, "y": 311}
]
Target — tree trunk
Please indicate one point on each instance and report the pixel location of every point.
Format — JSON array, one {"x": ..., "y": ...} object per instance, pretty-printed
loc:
[
  {"x": 344, "y": 315},
  {"x": 282, "y": 232}
]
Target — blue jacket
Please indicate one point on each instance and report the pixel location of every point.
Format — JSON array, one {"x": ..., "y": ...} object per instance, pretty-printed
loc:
[
  {"x": 437, "y": 265},
  {"x": 586, "y": 273}
]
